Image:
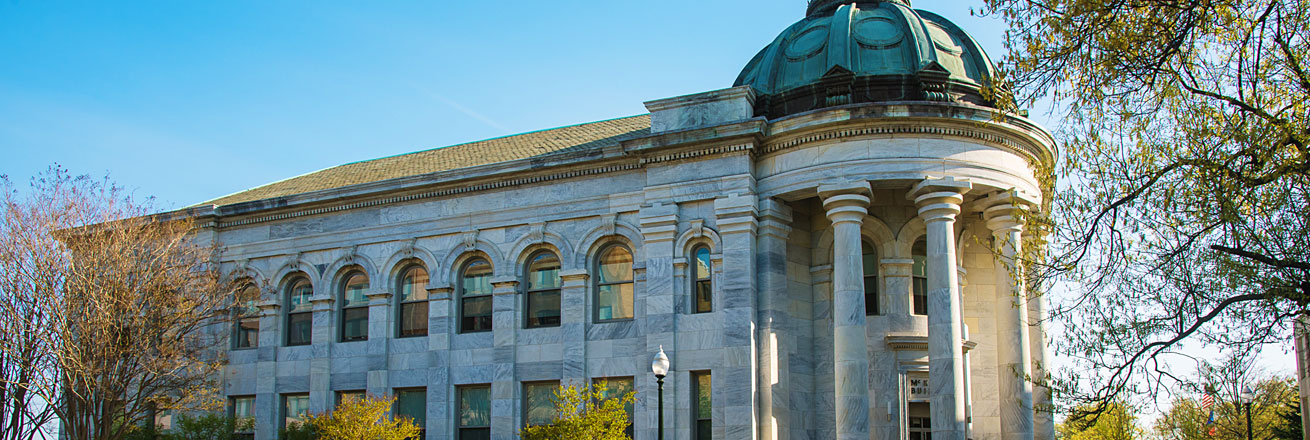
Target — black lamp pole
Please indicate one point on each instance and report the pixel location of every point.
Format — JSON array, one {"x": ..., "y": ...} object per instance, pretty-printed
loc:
[
  {"x": 660, "y": 380},
  {"x": 1248, "y": 421}
]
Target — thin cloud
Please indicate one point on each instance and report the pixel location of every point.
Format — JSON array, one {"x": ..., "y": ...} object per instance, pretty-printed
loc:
[{"x": 462, "y": 109}]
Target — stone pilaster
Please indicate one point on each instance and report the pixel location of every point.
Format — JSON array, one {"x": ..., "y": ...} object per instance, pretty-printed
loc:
[
  {"x": 1013, "y": 345},
  {"x": 939, "y": 202},
  {"x": 266, "y": 397},
  {"x": 659, "y": 229},
  {"x": 323, "y": 335},
  {"x": 379, "y": 332},
  {"x": 846, "y": 205},
  {"x": 1043, "y": 407},
  {"x": 574, "y": 304},
  {"x": 773, "y": 315},
  {"x": 736, "y": 219},
  {"x": 439, "y": 331},
  {"x": 504, "y": 383}
]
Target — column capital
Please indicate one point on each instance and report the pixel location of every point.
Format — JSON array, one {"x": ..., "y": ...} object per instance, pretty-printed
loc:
[
  {"x": 775, "y": 218},
  {"x": 939, "y": 199},
  {"x": 573, "y": 276},
  {"x": 507, "y": 285},
  {"x": 846, "y": 201},
  {"x": 1003, "y": 211},
  {"x": 659, "y": 222}
]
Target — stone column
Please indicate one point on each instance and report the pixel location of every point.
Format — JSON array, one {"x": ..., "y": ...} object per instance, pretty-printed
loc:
[
  {"x": 504, "y": 383},
  {"x": 735, "y": 382},
  {"x": 379, "y": 332},
  {"x": 439, "y": 331},
  {"x": 659, "y": 229},
  {"x": 846, "y": 205},
  {"x": 574, "y": 306},
  {"x": 1013, "y": 347},
  {"x": 323, "y": 335},
  {"x": 939, "y": 202},
  {"x": 1043, "y": 417},
  {"x": 775, "y": 227}
]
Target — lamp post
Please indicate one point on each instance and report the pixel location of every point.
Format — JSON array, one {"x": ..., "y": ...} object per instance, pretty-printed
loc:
[
  {"x": 1247, "y": 397},
  {"x": 660, "y": 366}
]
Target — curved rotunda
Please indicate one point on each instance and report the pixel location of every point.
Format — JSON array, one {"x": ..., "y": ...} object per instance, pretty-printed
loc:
[{"x": 824, "y": 251}]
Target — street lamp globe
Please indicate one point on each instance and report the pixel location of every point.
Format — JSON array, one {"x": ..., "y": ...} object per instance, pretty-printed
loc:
[
  {"x": 660, "y": 366},
  {"x": 1247, "y": 395}
]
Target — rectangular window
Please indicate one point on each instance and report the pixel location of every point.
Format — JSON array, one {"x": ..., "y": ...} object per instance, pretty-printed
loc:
[
  {"x": 476, "y": 316},
  {"x": 354, "y": 324},
  {"x": 538, "y": 404},
  {"x": 413, "y": 403},
  {"x": 348, "y": 395},
  {"x": 704, "y": 297},
  {"x": 299, "y": 328},
  {"x": 920, "y": 296},
  {"x": 474, "y": 412},
  {"x": 614, "y": 388},
  {"x": 294, "y": 409},
  {"x": 614, "y": 302},
  {"x": 543, "y": 308},
  {"x": 242, "y": 411},
  {"x": 919, "y": 421},
  {"x": 701, "y": 406},
  {"x": 247, "y": 332},
  {"x": 414, "y": 319}
]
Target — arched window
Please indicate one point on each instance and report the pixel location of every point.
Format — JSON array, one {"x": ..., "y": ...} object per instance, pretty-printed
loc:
[
  {"x": 701, "y": 286},
  {"x": 299, "y": 311},
  {"x": 614, "y": 299},
  {"x": 475, "y": 296},
  {"x": 542, "y": 290},
  {"x": 870, "y": 258},
  {"x": 920, "y": 272},
  {"x": 354, "y": 307},
  {"x": 245, "y": 314},
  {"x": 412, "y": 294}
]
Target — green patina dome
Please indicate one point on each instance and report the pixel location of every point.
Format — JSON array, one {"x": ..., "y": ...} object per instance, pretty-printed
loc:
[{"x": 847, "y": 51}]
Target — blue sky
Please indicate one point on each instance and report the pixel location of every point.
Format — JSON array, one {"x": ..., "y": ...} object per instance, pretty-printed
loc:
[{"x": 188, "y": 101}]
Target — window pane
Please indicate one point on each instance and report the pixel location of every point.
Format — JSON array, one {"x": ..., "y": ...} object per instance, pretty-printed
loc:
[
  {"x": 352, "y": 293},
  {"x": 243, "y": 413},
  {"x": 298, "y": 296},
  {"x": 414, "y": 284},
  {"x": 475, "y": 406},
  {"x": 615, "y": 265},
  {"x": 704, "y": 297},
  {"x": 414, "y": 319},
  {"x": 614, "y": 301},
  {"x": 870, "y": 259},
  {"x": 703, "y": 396},
  {"x": 354, "y": 324},
  {"x": 248, "y": 333},
  {"x": 538, "y": 408},
  {"x": 476, "y": 314},
  {"x": 920, "y": 295},
  {"x": 477, "y": 278},
  {"x": 543, "y": 308},
  {"x": 249, "y": 302},
  {"x": 298, "y": 328},
  {"x": 349, "y": 396},
  {"x": 474, "y": 433},
  {"x": 616, "y": 388},
  {"x": 703, "y": 263},
  {"x": 920, "y": 255},
  {"x": 543, "y": 272},
  {"x": 294, "y": 409},
  {"x": 413, "y": 404},
  {"x": 704, "y": 430},
  {"x": 871, "y": 295}
]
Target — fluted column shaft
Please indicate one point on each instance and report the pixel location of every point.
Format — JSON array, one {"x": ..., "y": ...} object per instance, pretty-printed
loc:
[
  {"x": 846, "y": 206},
  {"x": 939, "y": 202},
  {"x": 1013, "y": 349}
]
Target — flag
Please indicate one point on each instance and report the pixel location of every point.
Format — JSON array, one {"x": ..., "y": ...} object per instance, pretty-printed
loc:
[{"x": 1207, "y": 403}]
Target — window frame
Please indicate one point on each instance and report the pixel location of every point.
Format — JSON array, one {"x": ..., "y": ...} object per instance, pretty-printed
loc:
[
  {"x": 343, "y": 290},
  {"x": 529, "y": 292},
  {"x": 232, "y": 414},
  {"x": 697, "y": 281},
  {"x": 283, "y": 410},
  {"x": 632, "y": 387},
  {"x": 340, "y": 396},
  {"x": 288, "y": 314},
  {"x": 872, "y": 300},
  {"x": 459, "y": 400},
  {"x": 395, "y": 409},
  {"x": 239, "y": 318},
  {"x": 422, "y": 304},
  {"x": 462, "y": 295},
  {"x": 695, "y": 404},
  {"x": 553, "y": 384},
  {"x": 916, "y": 280},
  {"x": 631, "y": 280}
]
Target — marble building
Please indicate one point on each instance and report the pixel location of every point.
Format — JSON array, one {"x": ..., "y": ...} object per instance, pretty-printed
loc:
[{"x": 823, "y": 250}]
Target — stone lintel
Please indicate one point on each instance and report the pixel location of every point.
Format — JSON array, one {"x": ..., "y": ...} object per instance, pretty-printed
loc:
[
  {"x": 506, "y": 285},
  {"x": 573, "y": 277}
]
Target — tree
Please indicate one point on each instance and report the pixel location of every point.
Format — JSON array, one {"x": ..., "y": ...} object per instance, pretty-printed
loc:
[
  {"x": 1186, "y": 175},
  {"x": 105, "y": 309},
  {"x": 364, "y": 418},
  {"x": 1289, "y": 426},
  {"x": 584, "y": 413},
  {"x": 1117, "y": 422},
  {"x": 1186, "y": 419}
]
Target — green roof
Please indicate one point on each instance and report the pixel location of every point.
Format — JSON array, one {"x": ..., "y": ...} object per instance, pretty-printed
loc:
[{"x": 503, "y": 149}]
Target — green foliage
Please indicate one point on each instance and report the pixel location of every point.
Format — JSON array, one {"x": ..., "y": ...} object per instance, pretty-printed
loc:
[
  {"x": 1184, "y": 215},
  {"x": 585, "y": 413},
  {"x": 1117, "y": 422},
  {"x": 1186, "y": 419},
  {"x": 365, "y": 418},
  {"x": 299, "y": 431},
  {"x": 204, "y": 427},
  {"x": 1289, "y": 425}
]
